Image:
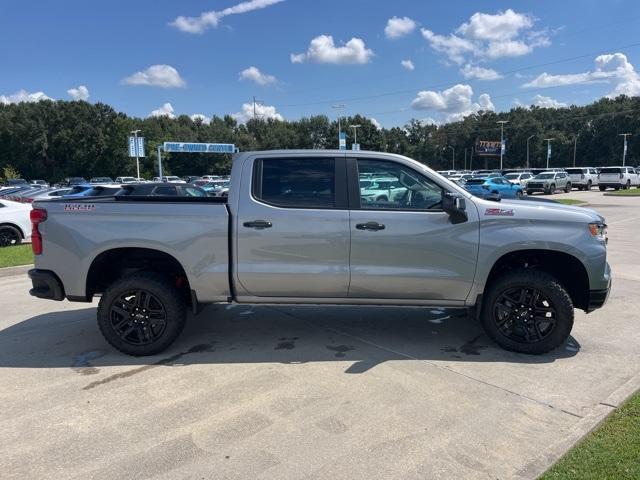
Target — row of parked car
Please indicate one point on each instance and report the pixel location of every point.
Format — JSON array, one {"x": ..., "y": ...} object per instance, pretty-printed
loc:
[
  {"x": 515, "y": 183},
  {"x": 16, "y": 197}
]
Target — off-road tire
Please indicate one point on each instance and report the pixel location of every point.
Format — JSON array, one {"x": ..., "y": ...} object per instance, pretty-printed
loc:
[
  {"x": 550, "y": 289},
  {"x": 167, "y": 294}
]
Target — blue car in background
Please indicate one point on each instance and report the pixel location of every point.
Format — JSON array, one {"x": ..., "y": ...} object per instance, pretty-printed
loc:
[{"x": 482, "y": 187}]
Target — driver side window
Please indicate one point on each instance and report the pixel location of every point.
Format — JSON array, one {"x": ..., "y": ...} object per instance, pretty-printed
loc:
[{"x": 391, "y": 186}]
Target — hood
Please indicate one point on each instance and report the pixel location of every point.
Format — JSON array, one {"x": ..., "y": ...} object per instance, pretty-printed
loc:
[{"x": 539, "y": 210}]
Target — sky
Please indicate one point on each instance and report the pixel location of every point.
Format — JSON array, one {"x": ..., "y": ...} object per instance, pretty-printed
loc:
[{"x": 391, "y": 61}]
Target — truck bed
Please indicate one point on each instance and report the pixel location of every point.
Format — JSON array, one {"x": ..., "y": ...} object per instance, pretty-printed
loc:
[{"x": 192, "y": 230}]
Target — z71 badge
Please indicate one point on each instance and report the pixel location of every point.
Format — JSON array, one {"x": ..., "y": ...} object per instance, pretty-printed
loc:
[
  {"x": 79, "y": 207},
  {"x": 499, "y": 212}
]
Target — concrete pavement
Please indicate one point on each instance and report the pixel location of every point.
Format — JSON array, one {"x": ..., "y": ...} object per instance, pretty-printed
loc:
[{"x": 308, "y": 392}]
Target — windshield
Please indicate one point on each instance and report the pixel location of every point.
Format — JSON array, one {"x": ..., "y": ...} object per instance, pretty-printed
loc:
[
  {"x": 544, "y": 176},
  {"x": 611, "y": 170},
  {"x": 574, "y": 171},
  {"x": 512, "y": 176}
]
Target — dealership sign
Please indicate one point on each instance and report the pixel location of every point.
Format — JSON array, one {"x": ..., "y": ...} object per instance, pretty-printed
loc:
[
  {"x": 199, "y": 147},
  {"x": 485, "y": 147}
]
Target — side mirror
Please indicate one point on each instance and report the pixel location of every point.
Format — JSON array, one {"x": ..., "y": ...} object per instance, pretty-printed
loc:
[{"x": 455, "y": 206}]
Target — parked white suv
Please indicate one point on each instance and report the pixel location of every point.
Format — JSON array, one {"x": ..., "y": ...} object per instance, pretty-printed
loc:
[
  {"x": 15, "y": 225},
  {"x": 519, "y": 178},
  {"x": 617, "y": 178},
  {"x": 583, "y": 178}
]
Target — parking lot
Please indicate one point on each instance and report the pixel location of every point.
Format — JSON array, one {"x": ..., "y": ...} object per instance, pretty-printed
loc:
[{"x": 311, "y": 392}]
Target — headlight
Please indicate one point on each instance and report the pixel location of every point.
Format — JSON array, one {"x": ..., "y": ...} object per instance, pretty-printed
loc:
[{"x": 599, "y": 231}]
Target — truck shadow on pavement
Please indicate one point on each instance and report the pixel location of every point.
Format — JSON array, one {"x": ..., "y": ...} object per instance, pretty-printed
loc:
[{"x": 361, "y": 337}]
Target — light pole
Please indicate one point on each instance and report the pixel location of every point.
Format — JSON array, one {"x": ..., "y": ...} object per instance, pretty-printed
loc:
[
  {"x": 135, "y": 136},
  {"x": 355, "y": 134},
  {"x": 453, "y": 157},
  {"x": 624, "y": 150},
  {"x": 575, "y": 147},
  {"x": 548, "y": 140},
  {"x": 502, "y": 122},
  {"x": 338, "y": 107},
  {"x": 529, "y": 138}
]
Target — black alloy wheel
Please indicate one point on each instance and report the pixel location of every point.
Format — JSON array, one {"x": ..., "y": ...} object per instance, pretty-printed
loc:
[
  {"x": 524, "y": 315},
  {"x": 142, "y": 313},
  {"x": 9, "y": 236},
  {"x": 138, "y": 317}
]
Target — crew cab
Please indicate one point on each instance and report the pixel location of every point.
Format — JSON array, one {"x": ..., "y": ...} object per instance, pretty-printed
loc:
[{"x": 296, "y": 230}]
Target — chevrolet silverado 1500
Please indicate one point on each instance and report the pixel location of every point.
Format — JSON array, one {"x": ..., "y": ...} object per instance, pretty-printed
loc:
[{"x": 295, "y": 230}]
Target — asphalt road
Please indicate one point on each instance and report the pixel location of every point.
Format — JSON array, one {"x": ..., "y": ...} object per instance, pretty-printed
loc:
[{"x": 303, "y": 392}]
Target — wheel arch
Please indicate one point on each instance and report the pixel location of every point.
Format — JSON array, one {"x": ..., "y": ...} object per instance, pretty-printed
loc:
[
  {"x": 14, "y": 225},
  {"x": 114, "y": 263},
  {"x": 567, "y": 268}
]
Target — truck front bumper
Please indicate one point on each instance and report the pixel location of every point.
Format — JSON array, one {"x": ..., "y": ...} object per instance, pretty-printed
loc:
[
  {"x": 46, "y": 284},
  {"x": 597, "y": 298}
]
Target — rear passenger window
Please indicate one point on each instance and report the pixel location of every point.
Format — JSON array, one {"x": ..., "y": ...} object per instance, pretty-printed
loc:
[
  {"x": 162, "y": 191},
  {"x": 296, "y": 182}
]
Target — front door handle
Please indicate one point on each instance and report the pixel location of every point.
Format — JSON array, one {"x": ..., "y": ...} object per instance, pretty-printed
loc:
[
  {"x": 374, "y": 226},
  {"x": 257, "y": 224}
]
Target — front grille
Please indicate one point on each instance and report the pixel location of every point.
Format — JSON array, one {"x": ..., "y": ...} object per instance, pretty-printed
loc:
[{"x": 535, "y": 185}]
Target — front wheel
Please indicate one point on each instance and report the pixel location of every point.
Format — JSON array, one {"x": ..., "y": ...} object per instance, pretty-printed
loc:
[
  {"x": 529, "y": 192},
  {"x": 519, "y": 193},
  {"x": 141, "y": 314},
  {"x": 589, "y": 185},
  {"x": 567, "y": 188},
  {"x": 527, "y": 311}
]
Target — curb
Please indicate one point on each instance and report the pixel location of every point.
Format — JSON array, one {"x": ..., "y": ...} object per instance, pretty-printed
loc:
[
  {"x": 581, "y": 429},
  {"x": 14, "y": 271}
]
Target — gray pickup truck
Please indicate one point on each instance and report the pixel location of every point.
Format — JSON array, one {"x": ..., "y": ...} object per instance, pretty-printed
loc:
[{"x": 295, "y": 230}]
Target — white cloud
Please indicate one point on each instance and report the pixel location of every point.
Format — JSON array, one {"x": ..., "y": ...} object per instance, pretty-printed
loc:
[
  {"x": 166, "y": 110},
  {"x": 454, "y": 103},
  {"x": 211, "y": 19},
  {"x": 164, "y": 76},
  {"x": 399, "y": 27},
  {"x": 80, "y": 93},
  {"x": 489, "y": 36},
  {"x": 200, "y": 117},
  {"x": 501, "y": 26},
  {"x": 509, "y": 48},
  {"x": 23, "y": 96},
  {"x": 454, "y": 47},
  {"x": 408, "y": 65},
  {"x": 611, "y": 68},
  {"x": 263, "y": 112},
  {"x": 323, "y": 50},
  {"x": 376, "y": 123},
  {"x": 479, "y": 73},
  {"x": 255, "y": 75},
  {"x": 547, "y": 102}
]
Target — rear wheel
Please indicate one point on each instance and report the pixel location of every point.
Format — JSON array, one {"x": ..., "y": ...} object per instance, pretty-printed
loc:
[
  {"x": 602, "y": 188},
  {"x": 527, "y": 311},
  {"x": 519, "y": 193},
  {"x": 141, "y": 314},
  {"x": 589, "y": 185},
  {"x": 9, "y": 236},
  {"x": 628, "y": 185}
]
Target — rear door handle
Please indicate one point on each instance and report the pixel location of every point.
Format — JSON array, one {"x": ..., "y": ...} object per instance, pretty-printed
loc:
[
  {"x": 257, "y": 224},
  {"x": 374, "y": 226}
]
